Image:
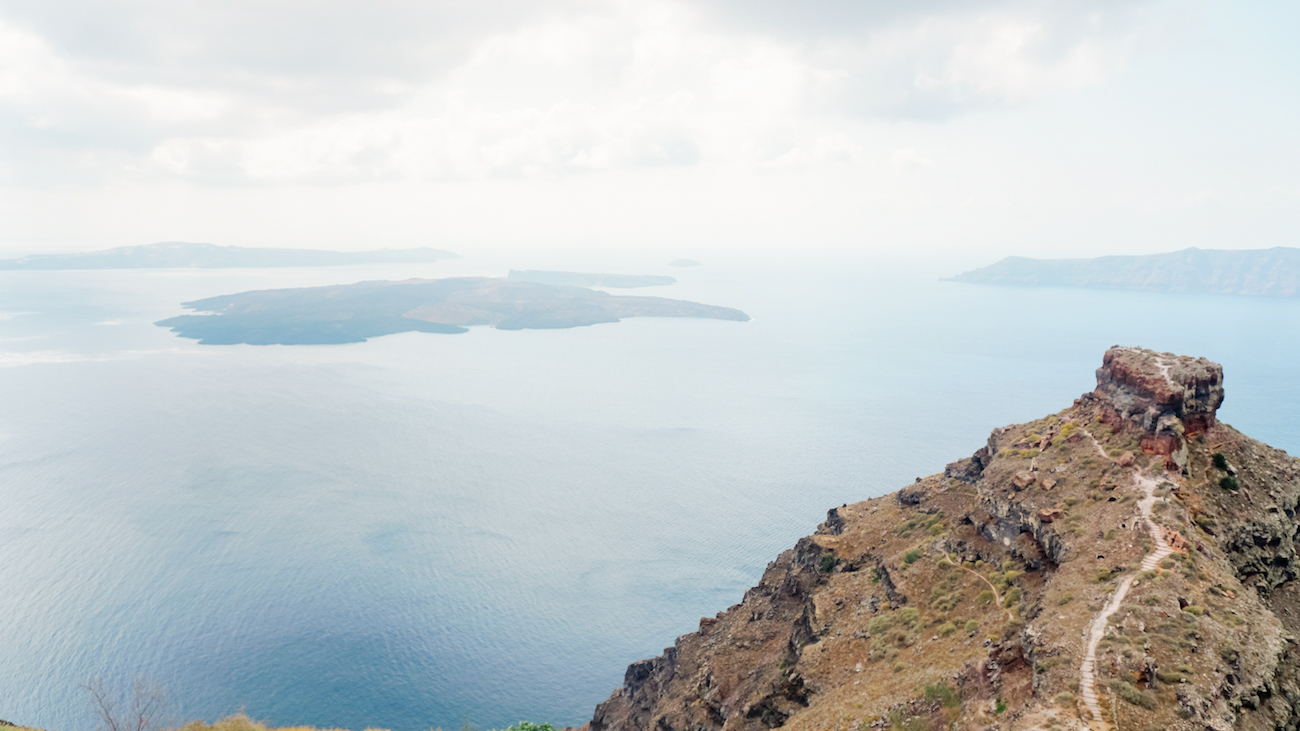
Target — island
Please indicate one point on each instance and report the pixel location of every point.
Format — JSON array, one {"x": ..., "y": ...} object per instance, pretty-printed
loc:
[
  {"x": 579, "y": 279},
  {"x": 352, "y": 313},
  {"x": 1270, "y": 272},
  {"x": 183, "y": 255}
]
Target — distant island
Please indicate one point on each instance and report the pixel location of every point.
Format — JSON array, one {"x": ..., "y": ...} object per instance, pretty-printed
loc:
[
  {"x": 578, "y": 279},
  {"x": 182, "y": 255},
  {"x": 1270, "y": 272},
  {"x": 351, "y": 313}
]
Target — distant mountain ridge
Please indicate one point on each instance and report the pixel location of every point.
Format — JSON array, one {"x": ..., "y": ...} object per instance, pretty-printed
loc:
[
  {"x": 180, "y": 255},
  {"x": 1265, "y": 272}
]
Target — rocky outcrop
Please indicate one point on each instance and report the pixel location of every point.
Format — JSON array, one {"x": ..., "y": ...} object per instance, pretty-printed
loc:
[
  {"x": 732, "y": 672},
  {"x": 1166, "y": 396},
  {"x": 966, "y": 599}
]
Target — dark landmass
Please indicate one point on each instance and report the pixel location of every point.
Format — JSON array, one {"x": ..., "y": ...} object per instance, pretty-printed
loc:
[
  {"x": 181, "y": 255},
  {"x": 579, "y": 279},
  {"x": 1129, "y": 562},
  {"x": 1272, "y": 272},
  {"x": 351, "y": 313},
  {"x": 683, "y": 263}
]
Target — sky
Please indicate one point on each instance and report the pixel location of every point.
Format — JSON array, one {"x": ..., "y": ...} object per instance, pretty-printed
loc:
[{"x": 963, "y": 129}]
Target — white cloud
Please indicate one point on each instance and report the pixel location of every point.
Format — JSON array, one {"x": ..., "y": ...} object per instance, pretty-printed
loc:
[
  {"x": 276, "y": 92},
  {"x": 908, "y": 157}
]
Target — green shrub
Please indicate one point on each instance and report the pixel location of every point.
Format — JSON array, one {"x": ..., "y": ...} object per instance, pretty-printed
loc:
[
  {"x": 943, "y": 693},
  {"x": 911, "y": 556},
  {"x": 828, "y": 562},
  {"x": 972, "y": 626},
  {"x": 1194, "y": 609},
  {"x": 1012, "y": 598},
  {"x": 880, "y": 624},
  {"x": 1228, "y": 482},
  {"x": 947, "y": 628},
  {"x": 999, "y": 706},
  {"x": 909, "y": 615},
  {"x": 1220, "y": 461},
  {"x": 984, "y": 597},
  {"x": 527, "y": 726},
  {"x": 1133, "y": 695},
  {"x": 1064, "y": 600},
  {"x": 1065, "y": 698}
]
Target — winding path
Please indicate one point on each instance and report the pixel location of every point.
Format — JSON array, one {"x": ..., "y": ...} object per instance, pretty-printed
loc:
[
  {"x": 1088, "y": 669},
  {"x": 996, "y": 596}
]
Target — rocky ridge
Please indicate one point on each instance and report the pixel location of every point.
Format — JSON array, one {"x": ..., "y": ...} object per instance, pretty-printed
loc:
[{"x": 1128, "y": 562}]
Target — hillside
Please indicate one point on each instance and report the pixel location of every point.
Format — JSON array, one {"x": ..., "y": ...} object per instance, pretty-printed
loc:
[
  {"x": 1126, "y": 562},
  {"x": 1273, "y": 272},
  {"x": 183, "y": 255}
]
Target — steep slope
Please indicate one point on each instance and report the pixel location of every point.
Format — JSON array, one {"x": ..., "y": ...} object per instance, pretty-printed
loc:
[{"x": 1127, "y": 562}]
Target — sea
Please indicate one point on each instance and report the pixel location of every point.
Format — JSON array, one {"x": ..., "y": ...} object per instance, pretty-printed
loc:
[{"x": 428, "y": 531}]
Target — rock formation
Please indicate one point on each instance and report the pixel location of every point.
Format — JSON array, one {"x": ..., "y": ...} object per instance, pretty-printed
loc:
[
  {"x": 1167, "y": 397},
  {"x": 1128, "y": 562}
]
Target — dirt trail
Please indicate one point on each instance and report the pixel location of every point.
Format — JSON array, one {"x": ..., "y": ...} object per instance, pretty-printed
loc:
[
  {"x": 996, "y": 596},
  {"x": 1100, "y": 623}
]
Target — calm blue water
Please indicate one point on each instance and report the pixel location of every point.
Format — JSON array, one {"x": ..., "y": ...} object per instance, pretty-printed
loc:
[{"x": 410, "y": 531}]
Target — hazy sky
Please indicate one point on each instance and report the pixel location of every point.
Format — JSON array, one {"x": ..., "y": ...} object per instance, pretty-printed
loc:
[{"x": 968, "y": 128}]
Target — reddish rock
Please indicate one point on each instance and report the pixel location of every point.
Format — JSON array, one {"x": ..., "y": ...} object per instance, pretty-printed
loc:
[
  {"x": 1147, "y": 385},
  {"x": 1126, "y": 459},
  {"x": 1174, "y": 539},
  {"x": 1023, "y": 480},
  {"x": 1048, "y": 483},
  {"x": 1049, "y": 515}
]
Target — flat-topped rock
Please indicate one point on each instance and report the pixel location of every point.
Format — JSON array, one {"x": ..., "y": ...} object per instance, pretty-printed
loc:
[
  {"x": 1168, "y": 397},
  {"x": 1137, "y": 381}
]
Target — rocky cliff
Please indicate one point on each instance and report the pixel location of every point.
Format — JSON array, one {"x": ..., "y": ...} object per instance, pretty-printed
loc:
[{"x": 1128, "y": 562}]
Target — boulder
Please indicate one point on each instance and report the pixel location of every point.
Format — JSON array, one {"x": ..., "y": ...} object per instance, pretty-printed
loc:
[{"x": 1023, "y": 480}]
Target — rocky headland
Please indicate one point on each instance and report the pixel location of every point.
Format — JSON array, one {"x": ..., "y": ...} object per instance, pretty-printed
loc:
[{"x": 1125, "y": 563}]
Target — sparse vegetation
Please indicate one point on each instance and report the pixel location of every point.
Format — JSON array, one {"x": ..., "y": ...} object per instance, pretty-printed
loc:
[
  {"x": 828, "y": 562},
  {"x": 911, "y": 556},
  {"x": 1129, "y": 694},
  {"x": 944, "y": 694},
  {"x": 1228, "y": 482}
]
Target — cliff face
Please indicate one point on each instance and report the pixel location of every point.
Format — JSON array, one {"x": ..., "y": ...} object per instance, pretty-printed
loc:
[{"x": 1126, "y": 562}]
